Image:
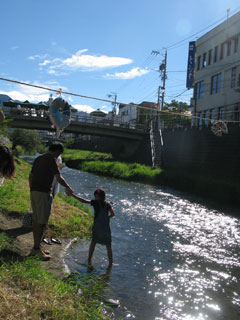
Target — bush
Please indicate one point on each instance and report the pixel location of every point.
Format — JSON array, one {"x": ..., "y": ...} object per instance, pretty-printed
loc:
[
  {"x": 133, "y": 172},
  {"x": 30, "y": 140},
  {"x": 5, "y": 141}
]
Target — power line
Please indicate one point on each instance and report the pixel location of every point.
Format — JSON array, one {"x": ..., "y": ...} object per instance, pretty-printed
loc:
[
  {"x": 106, "y": 100},
  {"x": 181, "y": 42},
  {"x": 73, "y": 94}
]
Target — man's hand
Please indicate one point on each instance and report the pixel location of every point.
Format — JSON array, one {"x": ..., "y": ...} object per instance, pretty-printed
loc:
[{"x": 68, "y": 191}]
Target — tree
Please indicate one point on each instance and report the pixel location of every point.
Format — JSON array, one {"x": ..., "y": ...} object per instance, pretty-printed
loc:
[
  {"x": 176, "y": 106},
  {"x": 28, "y": 139},
  {"x": 173, "y": 118}
]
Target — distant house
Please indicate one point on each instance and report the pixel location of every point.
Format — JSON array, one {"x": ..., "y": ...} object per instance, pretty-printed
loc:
[
  {"x": 98, "y": 113},
  {"x": 137, "y": 115},
  {"x": 127, "y": 113},
  {"x": 147, "y": 112}
]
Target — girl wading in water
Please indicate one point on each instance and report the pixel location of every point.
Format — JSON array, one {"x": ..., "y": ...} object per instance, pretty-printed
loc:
[
  {"x": 101, "y": 232},
  {"x": 7, "y": 164}
]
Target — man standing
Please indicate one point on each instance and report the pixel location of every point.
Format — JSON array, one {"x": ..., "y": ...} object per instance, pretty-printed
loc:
[{"x": 40, "y": 180}]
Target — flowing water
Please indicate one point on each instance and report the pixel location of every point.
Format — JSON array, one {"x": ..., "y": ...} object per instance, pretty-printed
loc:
[{"x": 175, "y": 257}]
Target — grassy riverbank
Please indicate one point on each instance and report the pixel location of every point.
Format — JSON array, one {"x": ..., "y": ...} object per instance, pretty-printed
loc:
[
  {"x": 220, "y": 188},
  {"x": 101, "y": 163},
  {"x": 69, "y": 217},
  {"x": 27, "y": 290},
  {"x": 131, "y": 172},
  {"x": 73, "y": 154}
]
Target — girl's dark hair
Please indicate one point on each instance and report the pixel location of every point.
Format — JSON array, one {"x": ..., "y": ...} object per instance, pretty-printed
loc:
[
  {"x": 7, "y": 163},
  {"x": 101, "y": 193}
]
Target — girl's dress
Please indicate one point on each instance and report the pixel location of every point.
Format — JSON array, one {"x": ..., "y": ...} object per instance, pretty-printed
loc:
[{"x": 101, "y": 232}]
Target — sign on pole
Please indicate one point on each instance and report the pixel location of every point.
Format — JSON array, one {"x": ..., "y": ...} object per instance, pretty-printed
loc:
[{"x": 190, "y": 67}]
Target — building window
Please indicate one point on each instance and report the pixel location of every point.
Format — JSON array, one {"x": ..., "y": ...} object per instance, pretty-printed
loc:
[
  {"x": 233, "y": 77},
  {"x": 212, "y": 115},
  {"x": 207, "y": 117},
  {"x": 210, "y": 57},
  {"x": 229, "y": 45},
  {"x": 216, "y": 54},
  {"x": 221, "y": 113},
  {"x": 216, "y": 83},
  {"x": 200, "y": 118},
  {"x": 236, "y": 113},
  {"x": 199, "y": 90},
  {"x": 222, "y": 51},
  {"x": 203, "y": 117},
  {"x": 199, "y": 63},
  {"x": 235, "y": 45},
  {"x": 204, "y": 61}
]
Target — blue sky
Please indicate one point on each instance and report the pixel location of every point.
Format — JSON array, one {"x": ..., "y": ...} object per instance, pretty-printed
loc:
[{"x": 96, "y": 47}]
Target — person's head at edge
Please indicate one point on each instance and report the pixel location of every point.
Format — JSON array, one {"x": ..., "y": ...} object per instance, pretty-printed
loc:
[
  {"x": 100, "y": 194},
  {"x": 56, "y": 149},
  {"x": 7, "y": 163}
]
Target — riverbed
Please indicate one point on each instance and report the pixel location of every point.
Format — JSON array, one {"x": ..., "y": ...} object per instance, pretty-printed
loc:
[{"x": 176, "y": 257}]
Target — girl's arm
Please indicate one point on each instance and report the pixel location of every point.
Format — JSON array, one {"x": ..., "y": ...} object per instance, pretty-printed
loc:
[
  {"x": 112, "y": 213},
  {"x": 81, "y": 199}
]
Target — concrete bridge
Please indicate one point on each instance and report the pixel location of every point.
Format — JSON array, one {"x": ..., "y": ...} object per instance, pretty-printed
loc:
[{"x": 80, "y": 125}]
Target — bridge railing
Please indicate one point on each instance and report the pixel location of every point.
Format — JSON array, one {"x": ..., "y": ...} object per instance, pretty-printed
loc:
[{"x": 44, "y": 114}]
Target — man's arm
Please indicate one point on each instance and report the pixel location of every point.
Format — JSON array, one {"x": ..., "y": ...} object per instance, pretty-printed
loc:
[{"x": 63, "y": 183}]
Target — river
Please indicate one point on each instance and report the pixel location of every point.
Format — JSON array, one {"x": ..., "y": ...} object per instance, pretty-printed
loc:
[{"x": 176, "y": 257}]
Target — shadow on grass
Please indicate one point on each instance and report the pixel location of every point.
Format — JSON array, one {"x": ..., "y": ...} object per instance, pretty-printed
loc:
[
  {"x": 15, "y": 232},
  {"x": 8, "y": 256}
]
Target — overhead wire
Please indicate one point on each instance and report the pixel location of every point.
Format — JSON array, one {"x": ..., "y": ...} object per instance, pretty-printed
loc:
[{"x": 181, "y": 42}]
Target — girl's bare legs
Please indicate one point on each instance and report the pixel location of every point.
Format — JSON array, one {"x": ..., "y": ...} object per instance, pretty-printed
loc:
[
  {"x": 110, "y": 256},
  {"x": 90, "y": 253}
]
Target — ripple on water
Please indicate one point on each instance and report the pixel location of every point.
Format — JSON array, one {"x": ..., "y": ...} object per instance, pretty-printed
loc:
[{"x": 176, "y": 258}]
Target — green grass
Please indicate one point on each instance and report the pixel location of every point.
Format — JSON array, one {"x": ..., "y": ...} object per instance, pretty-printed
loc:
[
  {"x": 6, "y": 242},
  {"x": 68, "y": 219},
  {"x": 132, "y": 172},
  {"x": 29, "y": 292},
  {"x": 82, "y": 155}
]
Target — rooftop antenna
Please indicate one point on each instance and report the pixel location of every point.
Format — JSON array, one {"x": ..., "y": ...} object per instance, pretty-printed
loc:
[{"x": 228, "y": 13}]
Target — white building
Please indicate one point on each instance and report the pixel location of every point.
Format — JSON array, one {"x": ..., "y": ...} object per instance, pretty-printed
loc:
[
  {"x": 217, "y": 72},
  {"x": 127, "y": 113}
]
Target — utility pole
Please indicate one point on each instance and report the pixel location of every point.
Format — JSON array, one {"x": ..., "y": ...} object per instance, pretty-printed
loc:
[
  {"x": 114, "y": 103},
  {"x": 157, "y": 148},
  {"x": 159, "y": 96},
  {"x": 163, "y": 68}
]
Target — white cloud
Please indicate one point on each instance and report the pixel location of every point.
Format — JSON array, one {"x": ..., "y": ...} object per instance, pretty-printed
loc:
[
  {"x": 45, "y": 62},
  {"x": 14, "y": 47},
  {"x": 105, "y": 107},
  {"x": 23, "y": 93},
  {"x": 38, "y": 57},
  {"x": 83, "y": 107},
  {"x": 51, "y": 71},
  {"x": 133, "y": 73},
  {"x": 80, "y": 60},
  {"x": 21, "y": 96}
]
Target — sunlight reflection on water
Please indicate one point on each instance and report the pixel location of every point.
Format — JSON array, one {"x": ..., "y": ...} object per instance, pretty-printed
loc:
[{"x": 176, "y": 258}]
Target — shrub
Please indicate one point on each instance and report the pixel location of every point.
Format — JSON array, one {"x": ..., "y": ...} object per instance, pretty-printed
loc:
[{"x": 30, "y": 140}]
